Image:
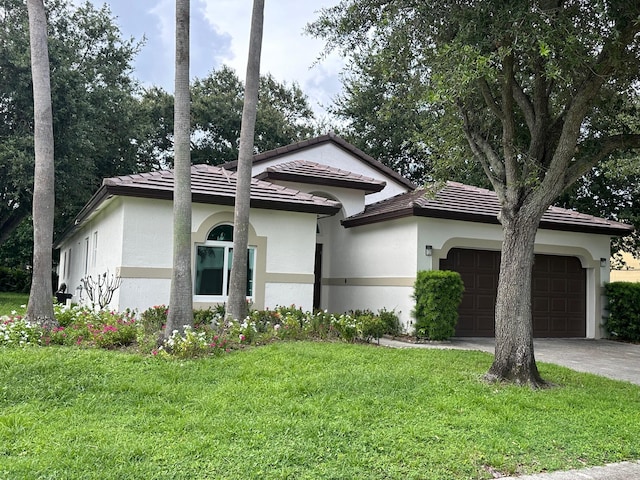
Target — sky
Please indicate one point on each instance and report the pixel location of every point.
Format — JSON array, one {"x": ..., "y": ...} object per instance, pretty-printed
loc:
[{"x": 220, "y": 36}]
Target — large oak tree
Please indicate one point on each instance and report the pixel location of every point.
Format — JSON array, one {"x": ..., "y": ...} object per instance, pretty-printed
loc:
[{"x": 526, "y": 85}]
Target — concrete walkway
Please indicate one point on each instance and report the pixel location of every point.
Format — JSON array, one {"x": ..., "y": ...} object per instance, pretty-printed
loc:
[{"x": 619, "y": 361}]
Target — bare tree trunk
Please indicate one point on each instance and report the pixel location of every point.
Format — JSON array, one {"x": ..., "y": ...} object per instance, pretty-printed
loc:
[
  {"x": 514, "y": 359},
  {"x": 40, "y": 308},
  {"x": 181, "y": 296},
  {"x": 237, "y": 304}
]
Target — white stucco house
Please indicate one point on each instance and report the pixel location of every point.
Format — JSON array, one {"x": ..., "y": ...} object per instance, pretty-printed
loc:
[{"x": 332, "y": 228}]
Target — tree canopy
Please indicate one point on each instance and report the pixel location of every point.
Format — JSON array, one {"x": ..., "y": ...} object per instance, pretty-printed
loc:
[
  {"x": 105, "y": 123},
  {"x": 284, "y": 116},
  {"x": 92, "y": 97}
]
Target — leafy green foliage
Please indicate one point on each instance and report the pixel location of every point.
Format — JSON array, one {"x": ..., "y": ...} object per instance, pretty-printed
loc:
[
  {"x": 437, "y": 294},
  {"x": 623, "y": 322},
  {"x": 300, "y": 410},
  {"x": 284, "y": 116},
  {"x": 93, "y": 107},
  {"x": 14, "y": 280},
  {"x": 536, "y": 94}
]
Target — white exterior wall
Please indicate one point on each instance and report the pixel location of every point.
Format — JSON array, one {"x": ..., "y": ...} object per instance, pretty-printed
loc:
[
  {"x": 104, "y": 231},
  {"x": 370, "y": 267},
  {"x": 334, "y": 156},
  {"x": 135, "y": 242}
]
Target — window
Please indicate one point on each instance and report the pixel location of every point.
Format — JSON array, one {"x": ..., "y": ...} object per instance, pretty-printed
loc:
[
  {"x": 214, "y": 259},
  {"x": 94, "y": 257},
  {"x": 86, "y": 255}
]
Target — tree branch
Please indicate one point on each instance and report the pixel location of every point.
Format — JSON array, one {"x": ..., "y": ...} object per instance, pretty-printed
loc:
[
  {"x": 607, "y": 146},
  {"x": 488, "y": 98}
]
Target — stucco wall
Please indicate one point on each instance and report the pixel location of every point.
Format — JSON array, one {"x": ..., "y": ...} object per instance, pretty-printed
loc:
[
  {"x": 135, "y": 241},
  {"x": 103, "y": 231},
  {"x": 369, "y": 267}
]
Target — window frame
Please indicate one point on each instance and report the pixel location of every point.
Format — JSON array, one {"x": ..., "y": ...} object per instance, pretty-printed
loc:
[{"x": 227, "y": 245}]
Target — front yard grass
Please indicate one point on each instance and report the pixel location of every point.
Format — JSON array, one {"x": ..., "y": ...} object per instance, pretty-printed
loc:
[
  {"x": 12, "y": 301},
  {"x": 300, "y": 410}
]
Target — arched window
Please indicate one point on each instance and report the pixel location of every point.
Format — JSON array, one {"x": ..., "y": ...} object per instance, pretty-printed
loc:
[{"x": 214, "y": 259}]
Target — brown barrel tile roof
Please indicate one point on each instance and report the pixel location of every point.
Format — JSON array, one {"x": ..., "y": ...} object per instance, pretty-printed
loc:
[
  {"x": 314, "y": 173},
  {"x": 457, "y": 201}
]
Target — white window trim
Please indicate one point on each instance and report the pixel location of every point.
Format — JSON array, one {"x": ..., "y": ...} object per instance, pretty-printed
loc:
[{"x": 225, "y": 280}]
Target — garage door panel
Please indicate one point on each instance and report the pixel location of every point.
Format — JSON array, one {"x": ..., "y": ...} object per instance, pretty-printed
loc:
[{"x": 558, "y": 293}]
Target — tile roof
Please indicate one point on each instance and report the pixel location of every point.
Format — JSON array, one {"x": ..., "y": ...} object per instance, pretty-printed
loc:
[
  {"x": 327, "y": 138},
  {"x": 210, "y": 185},
  {"x": 314, "y": 173},
  {"x": 457, "y": 201}
]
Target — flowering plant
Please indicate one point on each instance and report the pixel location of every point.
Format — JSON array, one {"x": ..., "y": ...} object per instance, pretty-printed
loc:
[{"x": 17, "y": 332}]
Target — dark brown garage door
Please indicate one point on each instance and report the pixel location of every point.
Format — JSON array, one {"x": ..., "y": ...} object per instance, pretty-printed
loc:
[{"x": 558, "y": 293}]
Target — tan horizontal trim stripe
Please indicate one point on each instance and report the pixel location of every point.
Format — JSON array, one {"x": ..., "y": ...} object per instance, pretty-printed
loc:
[
  {"x": 144, "y": 272},
  {"x": 371, "y": 281},
  {"x": 289, "y": 278}
]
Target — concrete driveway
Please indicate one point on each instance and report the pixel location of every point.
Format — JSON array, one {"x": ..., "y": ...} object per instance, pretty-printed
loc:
[{"x": 616, "y": 360}]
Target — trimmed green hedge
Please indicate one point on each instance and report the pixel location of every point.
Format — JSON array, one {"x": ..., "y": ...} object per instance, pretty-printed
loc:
[
  {"x": 623, "y": 322},
  {"x": 437, "y": 294},
  {"x": 14, "y": 280}
]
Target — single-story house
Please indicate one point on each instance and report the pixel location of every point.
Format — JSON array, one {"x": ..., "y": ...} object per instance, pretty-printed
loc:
[{"x": 333, "y": 228}]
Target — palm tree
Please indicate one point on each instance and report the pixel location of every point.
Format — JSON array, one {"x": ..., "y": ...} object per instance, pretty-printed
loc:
[
  {"x": 181, "y": 299},
  {"x": 40, "y": 308},
  {"x": 237, "y": 304}
]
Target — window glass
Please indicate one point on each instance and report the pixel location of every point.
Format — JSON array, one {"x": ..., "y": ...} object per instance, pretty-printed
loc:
[
  {"x": 214, "y": 260},
  {"x": 222, "y": 233}
]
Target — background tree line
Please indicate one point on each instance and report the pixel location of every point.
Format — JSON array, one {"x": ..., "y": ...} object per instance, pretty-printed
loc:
[{"x": 105, "y": 122}]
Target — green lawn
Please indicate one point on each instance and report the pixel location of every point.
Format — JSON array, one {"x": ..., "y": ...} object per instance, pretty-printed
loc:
[
  {"x": 300, "y": 410},
  {"x": 12, "y": 301}
]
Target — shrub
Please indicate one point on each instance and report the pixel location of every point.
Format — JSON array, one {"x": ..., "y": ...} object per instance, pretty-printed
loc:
[
  {"x": 623, "y": 322},
  {"x": 14, "y": 280},
  {"x": 189, "y": 344},
  {"x": 391, "y": 322},
  {"x": 89, "y": 328},
  {"x": 437, "y": 295},
  {"x": 370, "y": 326},
  {"x": 154, "y": 318}
]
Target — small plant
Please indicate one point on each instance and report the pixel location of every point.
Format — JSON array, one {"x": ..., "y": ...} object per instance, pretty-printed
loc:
[
  {"x": 391, "y": 322},
  {"x": 189, "y": 344},
  {"x": 17, "y": 332},
  {"x": 154, "y": 318},
  {"x": 101, "y": 289},
  {"x": 370, "y": 326}
]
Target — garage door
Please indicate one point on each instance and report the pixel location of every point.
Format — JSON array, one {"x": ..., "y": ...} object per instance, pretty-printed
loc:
[{"x": 558, "y": 293}]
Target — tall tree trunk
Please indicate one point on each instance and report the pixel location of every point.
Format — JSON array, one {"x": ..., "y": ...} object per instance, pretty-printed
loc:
[
  {"x": 237, "y": 304},
  {"x": 181, "y": 297},
  {"x": 514, "y": 359},
  {"x": 40, "y": 308}
]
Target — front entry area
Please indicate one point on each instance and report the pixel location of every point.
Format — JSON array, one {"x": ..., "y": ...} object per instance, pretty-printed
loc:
[{"x": 558, "y": 293}]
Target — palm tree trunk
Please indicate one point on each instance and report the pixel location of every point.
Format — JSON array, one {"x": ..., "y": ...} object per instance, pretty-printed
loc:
[
  {"x": 40, "y": 308},
  {"x": 237, "y": 304},
  {"x": 181, "y": 297}
]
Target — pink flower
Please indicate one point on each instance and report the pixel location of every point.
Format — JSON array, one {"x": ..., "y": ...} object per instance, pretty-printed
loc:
[{"x": 242, "y": 338}]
